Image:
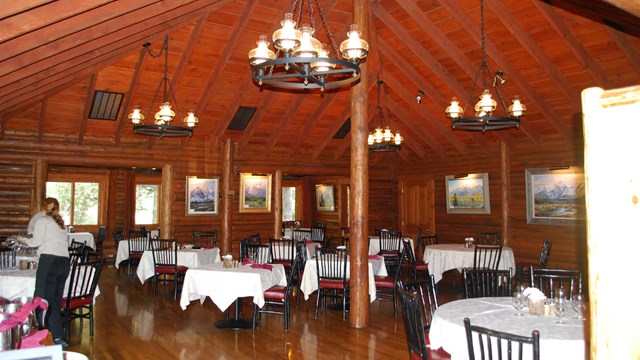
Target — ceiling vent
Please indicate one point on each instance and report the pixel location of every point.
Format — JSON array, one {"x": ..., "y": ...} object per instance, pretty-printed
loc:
[
  {"x": 344, "y": 130},
  {"x": 105, "y": 105},
  {"x": 241, "y": 118}
]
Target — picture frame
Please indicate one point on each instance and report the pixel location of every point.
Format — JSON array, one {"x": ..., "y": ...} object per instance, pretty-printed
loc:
[
  {"x": 468, "y": 194},
  {"x": 555, "y": 196},
  {"x": 255, "y": 193},
  {"x": 202, "y": 195},
  {"x": 324, "y": 198}
]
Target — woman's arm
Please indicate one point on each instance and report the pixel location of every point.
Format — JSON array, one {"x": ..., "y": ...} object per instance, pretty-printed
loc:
[{"x": 39, "y": 233}]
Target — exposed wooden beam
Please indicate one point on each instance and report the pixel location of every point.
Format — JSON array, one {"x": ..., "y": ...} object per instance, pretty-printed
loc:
[
  {"x": 43, "y": 117},
  {"x": 632, "y": 54},
  {"x": 10, "y": 8},
  {"x": 262, "y": 110},
  {"x": 122, "y": 119},
  {"x": 87, "y": 107},
  {"x": 325, "y": 104},
  {"x": 286, "y": 120}
]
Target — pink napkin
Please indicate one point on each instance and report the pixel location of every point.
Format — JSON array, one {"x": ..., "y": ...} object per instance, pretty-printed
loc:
[
  {"x": 208, "y": 246},
  {"x": 11, "y": 322},
  {"x": 34, "y": 339},
  {"x": 374, "y": 257},
  {"x": 262, "y": 266},
  {"x": 247, "y": 261},
  {"x": 308, "y": 242}
]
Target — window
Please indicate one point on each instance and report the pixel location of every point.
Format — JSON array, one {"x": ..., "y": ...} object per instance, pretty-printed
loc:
[
  {"x": 79, "y": 203},
  {"x": 288, "y": 203},
  {"x": 146, "y": 204}
]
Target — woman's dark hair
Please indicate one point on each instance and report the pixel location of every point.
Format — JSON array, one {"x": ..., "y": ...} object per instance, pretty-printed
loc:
[{"x": 52, "y": 208}]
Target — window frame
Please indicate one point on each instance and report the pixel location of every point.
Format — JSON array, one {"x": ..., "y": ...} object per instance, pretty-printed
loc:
[
  {"x": 101, "y": 179},
  {"x": 141, "y": 179}
]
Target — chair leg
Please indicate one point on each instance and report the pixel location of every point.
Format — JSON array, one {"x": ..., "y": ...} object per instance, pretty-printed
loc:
[
  {"x": 255, "y": 315},
  {"x": 90, "y": 319},
  {"x": 320, "y": 291}
]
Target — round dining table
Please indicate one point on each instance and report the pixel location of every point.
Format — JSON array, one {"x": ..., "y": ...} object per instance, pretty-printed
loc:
[
  {"x": 557, "y": 340},
  {"x": 444, "y": 257}
]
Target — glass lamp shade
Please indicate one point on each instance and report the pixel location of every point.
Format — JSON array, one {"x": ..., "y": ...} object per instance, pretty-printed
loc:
[
  {"x": 136, "y": 116},
  {"x": 261, "y": 53},
  {"x": 309, "y": 46},
  {"x": 323, "y": 65},
  {"x": 377, "y": 136},
  {"x": 516, "y": 109},
  {"x": 354, "y": 48},
  {"x": 454, "y": 111},
  {"x": 398, "y": 139},
  {"x": 190, "y": 120},
  {"x": 370, "y": 139},
  {"x": 287, "y": 38},
  {"x": 165, "y": 115},
  {"x": 486, "y": 105},
  {"x": 387, "y": 135}
]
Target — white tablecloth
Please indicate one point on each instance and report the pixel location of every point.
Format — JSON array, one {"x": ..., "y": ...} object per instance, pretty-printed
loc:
[
  {"x": 186, "y": 257},
  {"x": 288, "y": 233},
  {"x": 374, "y": 244},
  {"x": 443, "y": 257},
  {"x": 557, "y": 341},
  {"x": 122, "y": 253},
  {"x": 309, "y": 281},
  {"x": 224, "y": 286},
  {"x": 15, "y": 283},
  {"x": 82, "y": 237}
]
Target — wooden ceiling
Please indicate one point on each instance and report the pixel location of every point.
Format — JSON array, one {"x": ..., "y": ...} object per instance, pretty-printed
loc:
[{"x": 55, "y": 54}]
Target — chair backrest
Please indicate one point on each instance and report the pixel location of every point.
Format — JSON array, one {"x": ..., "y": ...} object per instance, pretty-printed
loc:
[
  {"x": 332, "y": 264},
  {"x": 486, "y": 283},
  {"x": 77, "y": 251},
  {"x": 165, "y": 252},
  {"x": 258, "y": 253},
  {"x": 408, "y": 252},
  {"x": 300, "y": 235},
  {"x": 255, "y": 237},
  {"x": 83, "y": 280},
  {"x": 486, "y": 257},
  {"x": 7, "y": 258},
  {"x": 550, "y": 280},
  {"x": 545, "y": 253},
  {"x": 317, "y": 233},
  {"x": 390, "y": 240},
  {"x": 493, "y": 344},
  {"x": 143, "y": 229},
  {"x": 319, "y": 224},
  {"x": 426, "y": 289},
  {"x": 138, "y": 242},
  {"x": 328, "y": 242},
  {"x": 204, "y": 239},
  {"x": 413, "y": 324},
  {"x": 102, "y": 234},
  {"x": 281, "y": 250},
  {"x": 301, "y": 254},
  {"x": 488, "y": 238},
  {"x": 117, "y": 236}
]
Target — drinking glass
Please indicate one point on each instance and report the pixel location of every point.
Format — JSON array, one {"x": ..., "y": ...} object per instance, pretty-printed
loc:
[
  {"x": 560, "y": 308},
  {"x": 579, "y": 305},
  {"x": 518, "y": 302}
]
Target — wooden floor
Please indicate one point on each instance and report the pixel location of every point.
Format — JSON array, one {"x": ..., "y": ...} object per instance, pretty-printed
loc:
[{"x": 131, "y": 324}]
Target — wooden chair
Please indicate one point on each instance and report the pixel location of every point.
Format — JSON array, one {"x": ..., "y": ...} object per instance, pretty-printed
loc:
[
  {"x": 486, "y": 283},
  {"x": 206, "y": 240},
  {"x": 331, "y": 267},
  {"x": 138, "y": 243},
  {"x": 427, "y": 290},
  {"x": 522, "y": 270},
  {"x": 102, "y": 234},
  {"x": 390, "y": 247},
  {"x": 486, "y": 257},
  {"x": 416, "y": 266},
  {"x": 165, "y": 264},
  {"x": 550, "y": 280},
  {"x": 282, "y": 252},
  {"x": 300, "y": 235},
  {"x": 386, "y": 286},
  {"x": 507, "y": 346},
  {"x": 78, "y": 302},
  {"x": 488, "y": 238},
  {"x": 256, "y": 253},
  {"x": 277, "y": 295},
  {"x": 318, "y": 233},
  {"x": 77, "y": 251}
]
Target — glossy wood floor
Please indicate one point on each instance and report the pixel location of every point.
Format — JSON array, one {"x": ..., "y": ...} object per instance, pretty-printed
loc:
[{"x": 131, "y": 324}]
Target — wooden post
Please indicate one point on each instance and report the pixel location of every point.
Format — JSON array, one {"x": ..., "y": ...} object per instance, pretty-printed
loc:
[
  {"x": 277, "y": 203},
  {"x": 227, "y": 196},
  {"x": 358, "y": 222},
  {"x": 167, "y": 200},
  {"x": 40, "y": 186},
  {"x": 505, "y": 184}
]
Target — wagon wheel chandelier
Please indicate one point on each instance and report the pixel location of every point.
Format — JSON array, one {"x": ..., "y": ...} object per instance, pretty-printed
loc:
[
  {"x": 382, "y": 139},
  {"x": 301, "y": 61},
  {"x": 162, "y": 125},
  {"x": 485, "y": 117}
]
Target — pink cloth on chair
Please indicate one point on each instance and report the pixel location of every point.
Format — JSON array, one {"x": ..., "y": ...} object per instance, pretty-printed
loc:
[{"x": 34, "y": 339}]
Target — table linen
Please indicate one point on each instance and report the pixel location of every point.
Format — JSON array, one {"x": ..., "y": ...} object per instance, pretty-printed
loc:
[
  {"x": 444, "y": 257},
  {"x": 15, "y": 283},
  {"x": 82, "y": 237},
  {"x": 225, "y": 285},
  {"x": 309, "y": 282},
  {"x": 557, "y": 341},
  {"x": 186, "y": 257}
]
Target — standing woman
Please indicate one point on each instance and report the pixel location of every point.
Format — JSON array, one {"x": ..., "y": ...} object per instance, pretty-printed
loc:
[{"x": 50, "y": 236}]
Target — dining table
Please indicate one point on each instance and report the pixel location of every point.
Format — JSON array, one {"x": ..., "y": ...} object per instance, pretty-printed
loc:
[
  {"x": 374, "y": 244},
  {"x": 185, "y": 257},
  {"x": 309, "y": 281},
  {"x": 557, "y": 340},
  {"x": 82, "y": 237},
  {"x": 227, "y": 285},
  {"x": 445, "y": 257},
  {"x": 15, "y": 283}
]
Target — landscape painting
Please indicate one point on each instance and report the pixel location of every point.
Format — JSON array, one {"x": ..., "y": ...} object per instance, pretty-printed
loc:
[
  {"x": 255, "y": 192},
  {"x": 468, "y": 194},
  {"x": 555, "y": 196},
  {"x": 201, "y": 196}
]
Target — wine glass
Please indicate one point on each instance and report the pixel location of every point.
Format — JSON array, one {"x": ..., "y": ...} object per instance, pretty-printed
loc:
[
  {"x": 518, "y": 302},
  {"x": 579, "y": 305},
  {"x": 560, "y": 308}
]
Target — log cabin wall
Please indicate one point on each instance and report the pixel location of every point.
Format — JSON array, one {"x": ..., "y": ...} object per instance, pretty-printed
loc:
[
  {"x": 17, "y": 180},
  {"x": 569, "y": 242}
]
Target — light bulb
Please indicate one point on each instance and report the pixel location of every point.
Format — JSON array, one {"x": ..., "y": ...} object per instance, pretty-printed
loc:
[
  {"x": 287, "y": 38},
  {"x": 370, "y": 139},
  {"x": 261, "y": 53},
  {"x": 516, "y": 109},
  {"x": 136, "y": 116},
  {"x": 387, "y": 134},
  {"x": 309, "y": 45},
  {"x": 486, "y": 103},
  {"x": 165, "y": 115},
  {"x": 378, "y": 135},
  {"x": 454, "y": 110},
  {"x": 190, "y": 120},
  {"x": 398, "y": 139},
  {"x": 354, "y": 48}
]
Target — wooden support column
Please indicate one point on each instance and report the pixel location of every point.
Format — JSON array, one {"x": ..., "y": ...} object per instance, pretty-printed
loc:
[
  {"x": 227, "y": 196},
  {"x": 358, "y": 222},
  {"x": 40, "y": 184},
  {"x": 505, "y": 184},
  {"x": 277, "y": 203},
  {"x": 166, "y": 217}
]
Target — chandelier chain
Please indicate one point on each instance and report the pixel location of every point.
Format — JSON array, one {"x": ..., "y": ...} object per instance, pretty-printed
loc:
[{"x": 323, "y": 18}]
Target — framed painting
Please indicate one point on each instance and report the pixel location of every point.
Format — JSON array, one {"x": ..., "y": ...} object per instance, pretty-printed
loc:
[
  {"x": 555, "y": 196},
  {"x": 255, "y": 193},
  {"x": 468, "y": 194},
  {"x": 201, "y": 196},
  {"x": 324, "y": 198}
]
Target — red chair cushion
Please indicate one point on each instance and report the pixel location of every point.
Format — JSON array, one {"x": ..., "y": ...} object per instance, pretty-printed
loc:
[
  {"x": 385, "y": 282},
  {"x": 422, "y": 266},
  {"x": 135, "y": 256},
  {"x": 331, "y": 284},
  {"x": 275, "y": 293},
  {"x": 162, "y": 269},
  {"x": 389, "y": 253},
  {"x": 77, "y": 303}
]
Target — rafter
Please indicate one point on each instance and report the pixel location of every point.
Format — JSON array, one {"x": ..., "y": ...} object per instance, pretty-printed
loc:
[{"x": 87, "y": 107}]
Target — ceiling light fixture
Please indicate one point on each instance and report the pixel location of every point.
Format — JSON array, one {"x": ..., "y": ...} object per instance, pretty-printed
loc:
[
  {"x": 419, "y": 96},
  {"x": 303, "y": 62},
  {"x": 485, "y": 117},
  {"x": 382, "y": 139},
  {"x": 162, "y": 126}
]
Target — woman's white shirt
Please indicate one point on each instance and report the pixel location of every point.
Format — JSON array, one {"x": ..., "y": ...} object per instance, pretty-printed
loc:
[{"x": 49, "y": 238}]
